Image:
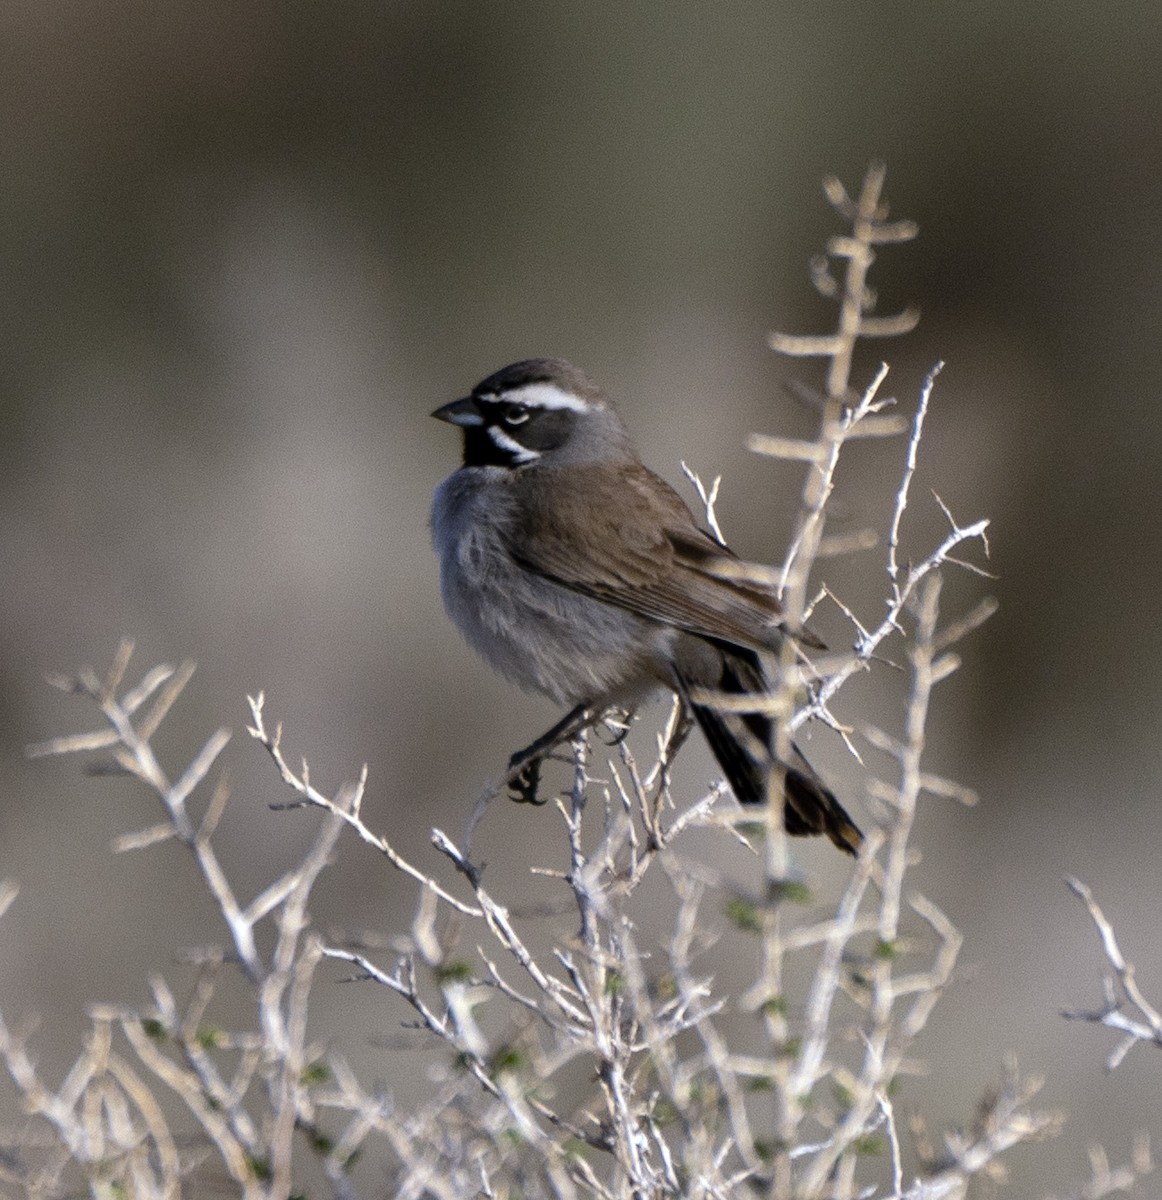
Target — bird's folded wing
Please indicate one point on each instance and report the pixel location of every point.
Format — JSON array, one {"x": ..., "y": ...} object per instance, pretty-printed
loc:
[{"x": 622, "y": 535}]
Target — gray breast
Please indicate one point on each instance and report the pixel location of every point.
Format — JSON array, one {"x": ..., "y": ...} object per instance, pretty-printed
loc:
[{"x": 541, "y": 635}]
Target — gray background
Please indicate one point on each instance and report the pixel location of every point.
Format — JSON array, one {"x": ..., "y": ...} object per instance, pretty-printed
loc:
[{"x": 246, "y": 248}]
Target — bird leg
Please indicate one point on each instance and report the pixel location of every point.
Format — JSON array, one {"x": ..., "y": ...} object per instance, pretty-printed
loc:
[{"x": 524, "y": 767}]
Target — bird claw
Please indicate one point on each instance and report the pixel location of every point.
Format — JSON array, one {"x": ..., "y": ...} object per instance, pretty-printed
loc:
[
  {"x": 524, "y": 768},
  {"x": 523, "y": 785}
]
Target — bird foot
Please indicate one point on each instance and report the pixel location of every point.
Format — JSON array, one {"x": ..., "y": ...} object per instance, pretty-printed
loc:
[{"x": 524, "y": 778}]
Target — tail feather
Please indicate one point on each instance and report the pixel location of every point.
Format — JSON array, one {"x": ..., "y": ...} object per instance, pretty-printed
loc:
[
  {"x": 809, "y": 806},
  {"x": 747, "y": 778}
]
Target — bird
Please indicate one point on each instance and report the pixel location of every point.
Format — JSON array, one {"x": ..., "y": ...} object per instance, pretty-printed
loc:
[{"x": 581, "y": 575}]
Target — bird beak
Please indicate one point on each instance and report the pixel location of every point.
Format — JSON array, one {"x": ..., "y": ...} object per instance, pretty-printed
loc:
[{"x": 460, "y": 412}]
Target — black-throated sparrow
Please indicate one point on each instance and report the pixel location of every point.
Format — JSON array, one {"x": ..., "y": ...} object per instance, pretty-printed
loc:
[{"x": 582, "y": 575}]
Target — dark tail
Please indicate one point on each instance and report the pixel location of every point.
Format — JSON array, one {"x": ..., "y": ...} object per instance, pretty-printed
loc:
[{"x": 809, "y": 805}]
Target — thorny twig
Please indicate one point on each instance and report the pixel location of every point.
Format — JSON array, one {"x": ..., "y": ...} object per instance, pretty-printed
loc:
[{"x": 1126, "y": 1009}]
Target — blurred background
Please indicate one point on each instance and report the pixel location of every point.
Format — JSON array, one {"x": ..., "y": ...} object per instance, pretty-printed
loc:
[{"x": 246, "y": 248}]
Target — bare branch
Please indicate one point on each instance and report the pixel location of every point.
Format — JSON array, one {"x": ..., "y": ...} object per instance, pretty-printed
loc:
[{"x": 1126, "y": 1009}]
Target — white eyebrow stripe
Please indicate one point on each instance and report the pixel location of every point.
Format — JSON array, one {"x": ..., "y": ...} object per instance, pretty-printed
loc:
[
  {"x": 522, "y": 454},
  {"x": 548, "y": 396}
]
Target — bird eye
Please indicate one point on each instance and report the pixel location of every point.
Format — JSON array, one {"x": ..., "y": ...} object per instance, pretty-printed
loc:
[{"x": 515, "y": 414}]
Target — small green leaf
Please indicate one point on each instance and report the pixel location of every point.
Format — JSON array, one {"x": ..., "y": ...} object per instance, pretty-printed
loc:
[
  {"x": 259, "y": 1168},
  {"x": 744, "y": 915},
  {"x": 793, "y": 891},
  {"x": 209, "y": 1037},
  {"x": 314, "y": 1074},
  {"x": 507, "y": 1060},
  {"x": 454, "y": 971}
]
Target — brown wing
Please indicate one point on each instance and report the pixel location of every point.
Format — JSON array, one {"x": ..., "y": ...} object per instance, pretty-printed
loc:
[{"x": 623, "y": 535}]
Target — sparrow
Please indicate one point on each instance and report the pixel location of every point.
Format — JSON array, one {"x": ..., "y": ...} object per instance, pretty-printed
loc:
[{"x": 579, "y": 574}]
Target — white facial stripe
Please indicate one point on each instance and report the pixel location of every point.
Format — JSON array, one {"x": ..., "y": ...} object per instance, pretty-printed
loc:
[
  {"x": 547, "y": 396},
  {"x": 522, "y": 454}
]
